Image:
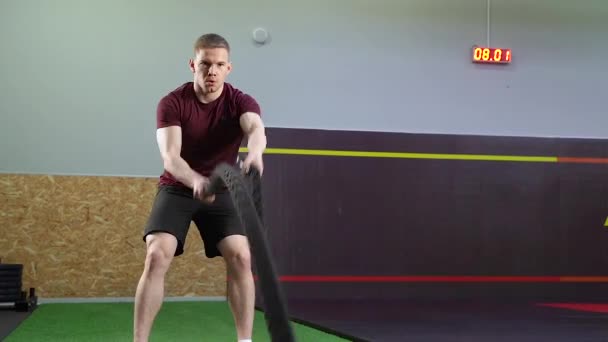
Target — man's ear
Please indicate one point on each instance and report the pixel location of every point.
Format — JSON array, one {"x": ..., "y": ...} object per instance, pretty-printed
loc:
[{"x": 191, "y": 65}]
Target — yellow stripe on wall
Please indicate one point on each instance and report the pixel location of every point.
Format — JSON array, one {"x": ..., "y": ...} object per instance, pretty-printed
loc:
[{"x": 404, "y": 155}]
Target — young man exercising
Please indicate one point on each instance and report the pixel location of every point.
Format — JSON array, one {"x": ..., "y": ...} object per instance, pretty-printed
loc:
[{"x": 199, "y": 125}]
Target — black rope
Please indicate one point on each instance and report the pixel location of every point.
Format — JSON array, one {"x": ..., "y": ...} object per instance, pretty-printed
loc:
[{"x": 246, "y": 194}]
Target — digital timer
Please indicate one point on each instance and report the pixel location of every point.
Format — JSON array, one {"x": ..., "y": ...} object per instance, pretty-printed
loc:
[{"x": 490, "y": 55}]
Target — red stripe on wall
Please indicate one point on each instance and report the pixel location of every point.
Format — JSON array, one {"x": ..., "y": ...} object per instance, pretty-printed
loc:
[
  {"x": 440, "y": 279},
  {"x": 584, "y": 279},
  {"x": 582, "y": 160},
  {"x": 588, "y": 307}
]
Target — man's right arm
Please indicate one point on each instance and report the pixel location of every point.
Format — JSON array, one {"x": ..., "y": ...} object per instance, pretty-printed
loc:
[{"x": 170, "y": 143}]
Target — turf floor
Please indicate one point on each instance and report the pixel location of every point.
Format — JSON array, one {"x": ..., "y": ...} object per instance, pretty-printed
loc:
[{"x": 177, "y": 321}]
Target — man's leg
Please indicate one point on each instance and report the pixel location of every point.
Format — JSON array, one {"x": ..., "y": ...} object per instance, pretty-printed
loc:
[
  {"x": 150, "y": 290},
  {"x": 241, "y": 288}
]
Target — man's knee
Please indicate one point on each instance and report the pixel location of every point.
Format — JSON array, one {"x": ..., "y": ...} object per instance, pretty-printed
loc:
[
  {"x": 240, "y": 260},
  {"x": 235, "y": 251},
  {"x": 160, "y": 252}
]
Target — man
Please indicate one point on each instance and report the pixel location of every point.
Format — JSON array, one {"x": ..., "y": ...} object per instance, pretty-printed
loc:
[{"x": 199, "y": 125}]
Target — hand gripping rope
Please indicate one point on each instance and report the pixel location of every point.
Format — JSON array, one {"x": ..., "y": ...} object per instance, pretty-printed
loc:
[{"x": 246, "y": 194}]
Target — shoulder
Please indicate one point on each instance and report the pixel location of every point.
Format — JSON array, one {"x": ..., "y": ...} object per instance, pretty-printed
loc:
[
  {"x": 244, "y": 102},
  {"x": 233, "y": 93},
  {"x": 169, "y": 108},
  {"x": 183, "y": 92}
]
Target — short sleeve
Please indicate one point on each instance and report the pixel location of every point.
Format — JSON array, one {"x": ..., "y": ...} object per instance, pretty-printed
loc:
[
  {"x": 167, "y": 113},
  {"x": 246, "y": 103}
]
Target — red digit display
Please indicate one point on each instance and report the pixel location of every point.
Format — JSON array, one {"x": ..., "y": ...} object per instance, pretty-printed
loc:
[{"x": 491, "y": 55}]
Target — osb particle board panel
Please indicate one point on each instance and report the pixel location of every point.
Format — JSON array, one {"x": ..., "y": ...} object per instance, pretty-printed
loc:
[{"x": 82, "y": 237}]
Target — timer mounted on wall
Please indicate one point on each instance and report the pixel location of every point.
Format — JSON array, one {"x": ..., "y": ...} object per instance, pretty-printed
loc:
[{"x": 491, "y": 55}]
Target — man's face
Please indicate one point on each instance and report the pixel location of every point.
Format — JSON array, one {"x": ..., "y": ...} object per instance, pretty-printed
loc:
[{"x": 210, "y": 67}]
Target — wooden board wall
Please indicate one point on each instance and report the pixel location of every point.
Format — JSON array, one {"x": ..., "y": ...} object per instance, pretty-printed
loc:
[{"x": 82, "y": 237}]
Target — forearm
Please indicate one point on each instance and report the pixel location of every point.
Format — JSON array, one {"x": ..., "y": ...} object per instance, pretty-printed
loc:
[
  {"x": 180, "y": 169},
  {"x": 256, "y": 141}
]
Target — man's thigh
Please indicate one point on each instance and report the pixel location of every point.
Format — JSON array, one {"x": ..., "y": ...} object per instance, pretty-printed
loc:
[
  {"x": 217, "y": 221},
  {"x": 172, "y": 212}
]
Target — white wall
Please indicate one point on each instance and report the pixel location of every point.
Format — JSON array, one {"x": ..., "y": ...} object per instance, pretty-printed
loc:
[{"x": 80, "y": 80}]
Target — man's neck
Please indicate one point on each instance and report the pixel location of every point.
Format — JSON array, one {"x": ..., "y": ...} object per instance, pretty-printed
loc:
[{"x": 207, "y": 97}]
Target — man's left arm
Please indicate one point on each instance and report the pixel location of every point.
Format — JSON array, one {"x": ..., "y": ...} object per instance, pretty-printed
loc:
[{"x": 253, "y": 128}]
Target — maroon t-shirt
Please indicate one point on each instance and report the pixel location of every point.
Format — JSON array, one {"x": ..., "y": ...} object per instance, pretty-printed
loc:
[{"x": 211, "y": 132}]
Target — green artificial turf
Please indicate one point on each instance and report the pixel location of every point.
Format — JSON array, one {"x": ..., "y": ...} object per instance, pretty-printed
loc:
[{"x": 177, "y": 321}]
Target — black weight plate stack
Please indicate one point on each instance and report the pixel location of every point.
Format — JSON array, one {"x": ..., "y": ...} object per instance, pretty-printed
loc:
[{"x": 10, "y": 283}]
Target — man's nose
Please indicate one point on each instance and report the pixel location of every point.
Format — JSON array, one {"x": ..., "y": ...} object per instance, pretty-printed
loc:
[{"x": 212, "y": 70}]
